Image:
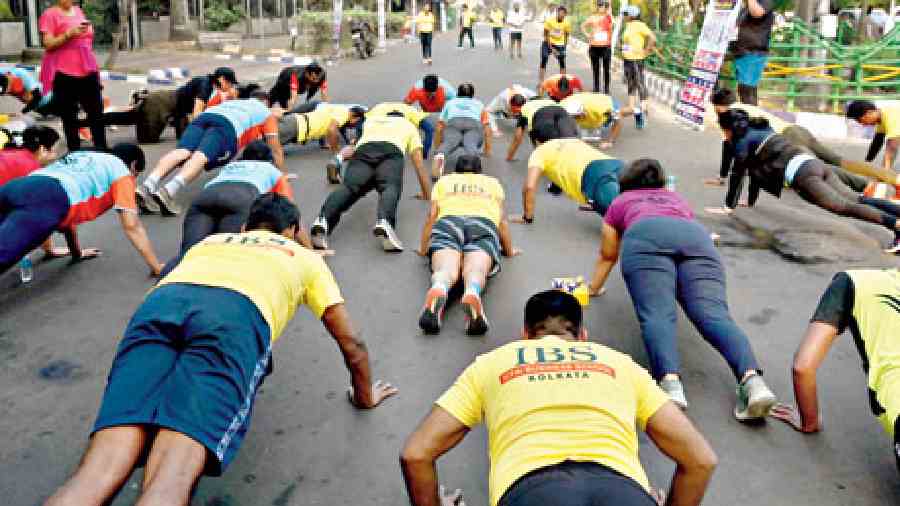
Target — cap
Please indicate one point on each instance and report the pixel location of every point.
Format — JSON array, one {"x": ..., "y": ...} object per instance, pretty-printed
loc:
[{"x": 633, "y": 11}]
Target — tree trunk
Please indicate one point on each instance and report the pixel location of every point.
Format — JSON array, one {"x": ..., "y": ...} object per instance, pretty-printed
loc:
[
  {"x": 663, "y": 14},
  {"x": 180, "y": 22},
  {"x": 285, "y": 19},
  {"x": 120, "y": 35}
]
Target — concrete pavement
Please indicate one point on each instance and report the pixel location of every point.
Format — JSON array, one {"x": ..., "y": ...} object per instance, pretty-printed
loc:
[{"x": 307, "y": 446}]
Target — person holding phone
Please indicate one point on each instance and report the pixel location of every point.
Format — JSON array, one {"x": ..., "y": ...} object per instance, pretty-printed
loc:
[{"x": 69, "y": 69}]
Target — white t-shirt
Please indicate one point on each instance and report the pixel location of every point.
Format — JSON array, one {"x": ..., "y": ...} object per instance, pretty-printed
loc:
[{"x": 515, "y": 20}]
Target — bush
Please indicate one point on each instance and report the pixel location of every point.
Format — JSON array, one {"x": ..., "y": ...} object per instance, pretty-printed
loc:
[
  {"x": 219, "y": 16},
  {"x": 104, "y": 16},
  {"x": 5, "y": 12}
]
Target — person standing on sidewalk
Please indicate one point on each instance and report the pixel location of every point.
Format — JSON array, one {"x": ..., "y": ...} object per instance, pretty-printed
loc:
[
  {"x": 751, "y": 49},
  {"x": 425, "y": 26},
  {"x": 515, "y": 19},
  {"x": 497, "y": 22},
  {"x": 886, "y": 120},
  {"x": 638, "y": 41},
  {"x": 598, "y": 29},
  {"x": 668, "y": 256},
  {"x": 466, "y": 21},
  {"x": 69, "y": 70},
  {"x": 556, "y": 36}
]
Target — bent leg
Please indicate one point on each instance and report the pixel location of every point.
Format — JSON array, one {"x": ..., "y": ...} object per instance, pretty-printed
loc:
[
  {"x": 814, "y": 187},
  {"x": 174, "y": 466},
  {"x": 389, "y": 184},
  {"x": 357, "y": 182},
  {"x": 107, "y": 463}
]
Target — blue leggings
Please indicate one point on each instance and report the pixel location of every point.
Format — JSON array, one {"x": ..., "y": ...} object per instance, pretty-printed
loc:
[
  {"x": 31, "y": 208},
  {"x": 665, "y": 260}
]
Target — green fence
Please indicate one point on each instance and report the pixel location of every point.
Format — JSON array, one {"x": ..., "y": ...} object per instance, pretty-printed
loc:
[{"x": 804, "y": 69}]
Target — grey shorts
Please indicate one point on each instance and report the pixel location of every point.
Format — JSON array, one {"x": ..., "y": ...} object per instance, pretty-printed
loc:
[{"x": 467, "y": 234}]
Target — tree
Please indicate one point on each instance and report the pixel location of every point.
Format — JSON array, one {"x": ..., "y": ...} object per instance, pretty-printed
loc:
[
  {"x": 180, "y": 23},
  {"x": 119, "y": 36}
]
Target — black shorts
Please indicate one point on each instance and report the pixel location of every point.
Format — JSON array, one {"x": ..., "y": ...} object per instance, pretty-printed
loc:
[
  {"x": 897, "y": 442},
  {"x": 466, "y": 234},
  {"x": 191, "y": 360},
  {"x": 572, "y": 483},
  {"x": 515, "y": 36},
  {"x": 634, "y": 78},
  {"x": 560, "y": 55}
]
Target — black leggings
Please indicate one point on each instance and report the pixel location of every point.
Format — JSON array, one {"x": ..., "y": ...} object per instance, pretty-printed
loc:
[
  {"x": 425, "y": 37},
  {"x": 816, "y": 183},
  {"x": 219, "y": 208},
  {"x": 68, "y": 93},
  {"x": 598, "y": 55},
  {"x": 572, "y": 483},
  {"x": 464, "y": 32},
  {"x": 498, "y": 38}
]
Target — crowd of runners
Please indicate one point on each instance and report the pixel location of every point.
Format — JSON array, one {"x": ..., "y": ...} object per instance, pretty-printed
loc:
[{"x": 561, "y": 412}]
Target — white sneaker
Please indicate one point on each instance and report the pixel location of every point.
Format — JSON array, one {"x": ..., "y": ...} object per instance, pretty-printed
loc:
[
  {"x": 145, "y": 201},
  {"x": 318, "y": 233},
  {"x": 675, "y": 390},
  {"x": 389, "y": 240},
  {"x": 754, "y": 399},
  {"x": 438, "y": 169}
]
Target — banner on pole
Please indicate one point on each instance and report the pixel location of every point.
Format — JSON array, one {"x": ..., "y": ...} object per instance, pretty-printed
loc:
[
  {"x": 719, "y": 28},
  {"x": 382, "y": 31},
  {"x": 338, "y": 16}
]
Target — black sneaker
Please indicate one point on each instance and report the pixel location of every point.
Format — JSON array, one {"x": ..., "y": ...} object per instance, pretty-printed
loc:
[
  {"x": 477, "y": 324},
  {"x": 895, "y": 246},
  {"x": 554, "y": 189},
  {"x": 433, "y": 311}
]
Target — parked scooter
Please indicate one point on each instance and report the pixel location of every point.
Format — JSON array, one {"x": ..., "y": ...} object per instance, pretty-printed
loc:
[{"x": 363, "y": 38}]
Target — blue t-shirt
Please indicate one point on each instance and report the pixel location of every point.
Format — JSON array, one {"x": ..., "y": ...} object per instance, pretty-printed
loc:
[
  {"x": 242, "y": 114},
  {"x": 29, "y": 80},
  {"x": 449, "y": 90},
  {"x": 263, "y": 175},
  {"x": 462, "y": 108}
]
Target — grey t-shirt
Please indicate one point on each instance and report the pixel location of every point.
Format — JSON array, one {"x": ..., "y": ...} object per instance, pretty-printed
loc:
[{"x": 754, "y": 33}]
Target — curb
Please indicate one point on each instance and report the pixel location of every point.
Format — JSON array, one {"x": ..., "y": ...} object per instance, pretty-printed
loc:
[
  {"x": 828, "y": 126},
  {"x": 290, "y": 60},
  {"x": 170, "y": 75}
]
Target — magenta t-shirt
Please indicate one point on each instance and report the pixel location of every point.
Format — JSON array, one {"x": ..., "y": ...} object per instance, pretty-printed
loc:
[
  {"x": 76, "y": 56},
  {"x": 632, "y": 206}
]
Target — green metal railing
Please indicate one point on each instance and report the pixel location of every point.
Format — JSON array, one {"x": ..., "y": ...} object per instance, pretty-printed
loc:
[{"x": 804, "y": 70}]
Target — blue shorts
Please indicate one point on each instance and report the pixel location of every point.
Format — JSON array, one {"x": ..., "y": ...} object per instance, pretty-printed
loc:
[
  {"x": 31, "y": 208},
  {"x": 191, "y": 360},
  {"x": 214, "y": 136},
  {"x": 613, "y": 113},
  {"x": 749, "y": 68},
  {"x": 600, "y": 183}
]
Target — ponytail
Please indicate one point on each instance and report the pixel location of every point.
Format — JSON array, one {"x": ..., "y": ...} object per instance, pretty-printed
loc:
[{"x": 32, "y": 138}]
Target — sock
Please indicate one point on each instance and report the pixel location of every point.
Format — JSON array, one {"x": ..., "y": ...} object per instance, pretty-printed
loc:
[
  {"x": 151, "y": 183},
  {"x": 174, "y": 185},
  {"x": 441, "y": 281},
  {"x": 473, "y": 288}
]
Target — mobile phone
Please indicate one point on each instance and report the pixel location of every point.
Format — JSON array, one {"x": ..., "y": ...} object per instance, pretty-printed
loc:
[{"x": 85, "y": 23}]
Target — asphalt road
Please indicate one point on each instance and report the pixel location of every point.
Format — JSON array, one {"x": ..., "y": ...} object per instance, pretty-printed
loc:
[{"x": 308, "y": 446}]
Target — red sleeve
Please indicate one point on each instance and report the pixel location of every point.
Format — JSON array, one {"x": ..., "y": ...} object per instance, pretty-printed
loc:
[
  {"x": 283, "y": 188},
  {"x": 295, "y": 82},
  {"x": 122, "y": 191},
  {"x": 324, "y": 88},
  {"x": 215, "y": 100},
  {"x": 47, "y": 23},
  {"x": 578, "y": 86},
  {"x": 411, "y": 96},
  {"x": 270, "y": 126}
]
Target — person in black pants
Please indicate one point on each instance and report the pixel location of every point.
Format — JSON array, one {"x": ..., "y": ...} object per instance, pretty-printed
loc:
[
  {"x": 598, "y": 30},
  {"x": 466, "y": 20},
  {"x": 771, "y": 161}
]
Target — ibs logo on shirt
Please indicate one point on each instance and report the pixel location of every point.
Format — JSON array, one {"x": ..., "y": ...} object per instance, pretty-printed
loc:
[{"x": 543, "y": 364}]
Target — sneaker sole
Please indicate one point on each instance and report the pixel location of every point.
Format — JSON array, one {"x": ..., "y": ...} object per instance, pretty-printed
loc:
[
  {"x": 386, "y": 243},
  {"x": 430, "y": 320},
  {"x": 478, "y": 324},
  {"x": 318, "y": 236},
  {"x": 334, "y": 176},
  {"x": 757, "y": 410},
  {"x": 146, "y": 206},
  {"x": 163, "y": 208}
]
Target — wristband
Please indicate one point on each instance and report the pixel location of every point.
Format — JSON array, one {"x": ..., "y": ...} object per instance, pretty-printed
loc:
[{"x": 527, "y": 219}]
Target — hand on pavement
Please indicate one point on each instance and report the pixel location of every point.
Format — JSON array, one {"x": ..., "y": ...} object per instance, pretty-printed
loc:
[
  {"x": 517, "y": 218},
  {"x": 714, "y": 181},
  {"x": 514, "y": 253},
  {"x": 659, "y": 495},
  {"x": 325, "y": 252},
  {"x": 586, "y": 207},
  {"x": 718, "y": 210},
  {"x": 421, "y": 196},
  {"x": 454, "y": 498},
  {"x": 380, "y": 391},
  {"x": 789, "y": 415},
  {"x": 57, "y": 252},
  {"x": 87, "y": 253},
  {"x": 598, "y": 292}
]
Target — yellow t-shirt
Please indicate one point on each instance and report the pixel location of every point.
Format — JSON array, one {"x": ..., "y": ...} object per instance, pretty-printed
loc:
[
  {"x": 319, "y": 121},
  {"x": 563, "y": 161},
  {"x": 412, "y": 114},
  {"x": 468, "y": 18},
  {"x": 425, "y": 22},
  {"x": 890, "y": 122},
  {"x": 597, "y": 108},
  {"x": 398, "y": 131},
  {"x": 877, "y": 316},
  {"x": 469, "y": 195},
  {"x": 547, "y": 400},
  {"x": 533, "y": 106},
  {"x": 557, "y": 31},
  {"x": 274, "y": 272},
  {"x": 497, "y": 18},
  {"x": 777, "y": 124},
  {"x": 634, "y": 40}
]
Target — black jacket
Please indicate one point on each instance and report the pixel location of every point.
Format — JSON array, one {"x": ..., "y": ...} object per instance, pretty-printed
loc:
[{"x": 763, "y": 155}]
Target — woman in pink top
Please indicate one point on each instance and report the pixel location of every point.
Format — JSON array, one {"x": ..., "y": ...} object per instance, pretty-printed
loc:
[
  {"x": 69, "y": 69},
  {"x": 668, "y": 257},
  {"x": 598, "y": 30}
]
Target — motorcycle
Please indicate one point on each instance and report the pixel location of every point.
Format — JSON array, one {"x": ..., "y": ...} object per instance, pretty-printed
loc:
[{"x": 363, "y": 38}]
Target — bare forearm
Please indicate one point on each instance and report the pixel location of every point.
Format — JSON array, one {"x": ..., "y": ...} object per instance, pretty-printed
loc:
[
  {"x": 756, "y": 9},
  {"x": 138, "y": 237},
  {"x": 422, "y": 175},
  {"x": 426, "y": 235},
  {"x": 528, "y": 203},
  {"x": 487, "y": 139},
  {"x": 72, "y": 242},
  {"x": 506, "y": 243},
  {"x": 807, "y": 399},
  {"x": 601, "y": 272},
  {"x": 688, "y": 486},
  {"x": 513, "y": 147},
  {"x": 421, "y": 482},
  {"x": 890, "y": 153},
  {"x": 356, "y": 356}
]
